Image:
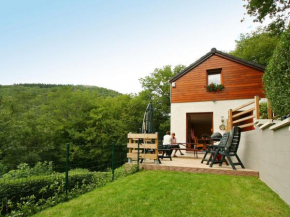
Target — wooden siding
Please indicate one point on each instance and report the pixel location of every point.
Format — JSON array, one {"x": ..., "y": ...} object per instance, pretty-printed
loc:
[{"x": 240, "y": 81}]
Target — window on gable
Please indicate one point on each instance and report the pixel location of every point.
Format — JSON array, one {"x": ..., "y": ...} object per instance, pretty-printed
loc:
[{"x": 214, "y": 76}]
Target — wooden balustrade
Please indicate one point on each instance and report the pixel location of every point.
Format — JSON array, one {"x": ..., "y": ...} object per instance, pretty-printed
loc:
[
  {"x": 245, "y": 118},
  {"x": 146, "y": 141}
]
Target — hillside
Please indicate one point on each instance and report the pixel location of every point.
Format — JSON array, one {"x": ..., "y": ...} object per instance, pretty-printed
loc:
[
  {"x": 46, "y": 88},
  {"x": 37, "y": 117}
]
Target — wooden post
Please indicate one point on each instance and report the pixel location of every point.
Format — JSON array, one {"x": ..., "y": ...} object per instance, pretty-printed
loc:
[
  {"x": 156, "y": 150},
  {"x": 130, "y": 151},
  {"x": 269, "y": 110},
  {"x": 156, "y": 143},
  {"x": 257, "y": 106},
  {"x": 230, "y": 119}
]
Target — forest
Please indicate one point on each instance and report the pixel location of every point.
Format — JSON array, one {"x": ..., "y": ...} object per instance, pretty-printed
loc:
[{"x": 38, "y": 120}]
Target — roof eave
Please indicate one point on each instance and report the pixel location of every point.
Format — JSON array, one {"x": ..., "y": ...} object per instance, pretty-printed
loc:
[
  {"x": 241, "y": 61},
  {"x": 190, "y": 67}
]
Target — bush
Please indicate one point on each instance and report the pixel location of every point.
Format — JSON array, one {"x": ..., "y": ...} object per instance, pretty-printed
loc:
[
  {"x": 24, "y": 170},
  {"x": 12, "y": 191},
  {"x": 124, "y": 171},
  {"x": 3, "y": 169},
  {"x": 277, "y": 77},
  {"x": 30, "y": 195},
  {"x": 263, "y": 110}
]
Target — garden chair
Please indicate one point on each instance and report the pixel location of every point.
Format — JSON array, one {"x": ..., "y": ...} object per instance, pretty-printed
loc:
[
  {"x": 229, "y": 150},
  {"x": 214, "y": 137},
  {"x": 213, "y": 148}
]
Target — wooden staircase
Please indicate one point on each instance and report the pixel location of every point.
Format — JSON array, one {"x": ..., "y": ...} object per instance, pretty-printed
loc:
[{"x": 245, "y": 115}]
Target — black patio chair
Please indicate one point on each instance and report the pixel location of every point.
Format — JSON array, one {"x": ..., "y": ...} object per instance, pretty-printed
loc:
[
  {"x": 230, "y": 150},
  {"x": 215, "y": 138},
  {"x": 213, "y": 149}
]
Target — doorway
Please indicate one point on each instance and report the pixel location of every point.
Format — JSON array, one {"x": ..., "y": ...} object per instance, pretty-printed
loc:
[{"x": 198, "y": 125}]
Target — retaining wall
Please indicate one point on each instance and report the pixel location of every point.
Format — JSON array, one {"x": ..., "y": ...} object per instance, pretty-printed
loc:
[{"x": 267, "y": 150}]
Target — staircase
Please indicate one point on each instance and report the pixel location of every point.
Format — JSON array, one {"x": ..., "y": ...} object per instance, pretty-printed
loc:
[{"x": 246, "y": 115}]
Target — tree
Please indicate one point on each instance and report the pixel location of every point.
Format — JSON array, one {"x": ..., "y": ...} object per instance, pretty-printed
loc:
[
  {"x": 275, "y": 9},
  {"x": 156, "y": 88},
  {"x": 37, "y": 122},
  {"x": 257, "y": 46},
  {"x": 277, "y": 76}
]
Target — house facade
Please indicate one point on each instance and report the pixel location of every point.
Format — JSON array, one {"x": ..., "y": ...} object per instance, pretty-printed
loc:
[{"x": 195, "y": 112}]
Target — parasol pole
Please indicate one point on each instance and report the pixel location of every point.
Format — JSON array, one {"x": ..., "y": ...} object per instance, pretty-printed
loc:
[{"x": 144, "y": 130}]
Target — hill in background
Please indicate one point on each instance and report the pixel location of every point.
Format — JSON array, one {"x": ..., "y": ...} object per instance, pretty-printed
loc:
[{"x": 100, "y": 91}]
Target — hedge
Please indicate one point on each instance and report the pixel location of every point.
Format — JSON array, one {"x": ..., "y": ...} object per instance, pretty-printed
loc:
[
  {"x": 11, "y": 191},
  {"x": 277, "y": 76},
  {"x": 40, "y": 188}
]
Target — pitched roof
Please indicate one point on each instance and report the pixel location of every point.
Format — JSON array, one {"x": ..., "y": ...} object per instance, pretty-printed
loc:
[{"x": 214, "y": 51}]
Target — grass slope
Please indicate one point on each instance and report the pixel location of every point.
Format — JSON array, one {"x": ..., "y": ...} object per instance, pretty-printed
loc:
[{"x": 161, "y": 193}]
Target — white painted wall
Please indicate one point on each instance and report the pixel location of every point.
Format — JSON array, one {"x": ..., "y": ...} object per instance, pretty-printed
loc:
[
  {"x": 268, "y": 152},
  {"x": 219, "y": 108}
]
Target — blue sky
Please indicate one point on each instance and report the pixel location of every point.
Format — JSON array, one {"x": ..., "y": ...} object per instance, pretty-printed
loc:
[{"x": 110, "y": 44}]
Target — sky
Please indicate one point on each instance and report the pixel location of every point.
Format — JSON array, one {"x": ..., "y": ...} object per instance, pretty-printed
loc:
[{"x": 111, "y": 44}]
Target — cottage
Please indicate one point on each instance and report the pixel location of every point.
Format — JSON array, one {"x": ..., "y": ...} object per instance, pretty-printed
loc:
[{"x": 196, "y": 112}]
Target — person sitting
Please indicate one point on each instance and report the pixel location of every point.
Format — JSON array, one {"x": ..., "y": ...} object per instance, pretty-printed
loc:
[
  {"x": 167, "y": 140},
  {"x": 175, "y": 145}
]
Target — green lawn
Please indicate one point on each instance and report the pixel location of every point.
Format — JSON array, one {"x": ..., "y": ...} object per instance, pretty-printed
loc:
[{"x": 163, "y": 193}]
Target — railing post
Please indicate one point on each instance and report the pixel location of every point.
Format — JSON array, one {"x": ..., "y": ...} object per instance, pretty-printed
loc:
[
  {"x": 138, "y": 155},
  {"x": 230, "y": 119},
  {"x": 269, "y": 110},
  {"x": 156, "y": 150},
  {"x": 66, "y": 167},
  {"x": 113, "y": 162},
  {"x": 257, "y": 107}
]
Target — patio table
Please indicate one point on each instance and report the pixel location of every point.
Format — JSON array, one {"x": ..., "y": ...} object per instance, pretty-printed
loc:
[
  {"x": 205, "y": 142},
  {"x": 188, "y": 147}
]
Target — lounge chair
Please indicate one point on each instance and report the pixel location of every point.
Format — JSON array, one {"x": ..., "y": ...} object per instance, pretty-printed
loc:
[
  {"x": 213, "y": 148},
  {"x": 229, "y": 150}
]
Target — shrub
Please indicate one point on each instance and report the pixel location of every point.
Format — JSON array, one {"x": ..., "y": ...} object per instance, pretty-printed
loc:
[
  {"x": 277, "y": 77},
  {"x": 263, "y": 110},
  {"x": 27, "y": 196},
  {"x": 3, "y": 169},
  {"x": 24, "y": 170},
  {"x": 11, "y": 191},
  {"x": 124, "y": 171}
]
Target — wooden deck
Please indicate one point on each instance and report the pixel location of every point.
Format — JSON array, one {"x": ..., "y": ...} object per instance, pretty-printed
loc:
[{"x": 190, "y": 164}]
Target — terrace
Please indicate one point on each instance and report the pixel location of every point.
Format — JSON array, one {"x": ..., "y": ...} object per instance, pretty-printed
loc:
[
  {"x": 264, "y": 149},
  {"x": 194, "y": 165}
]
